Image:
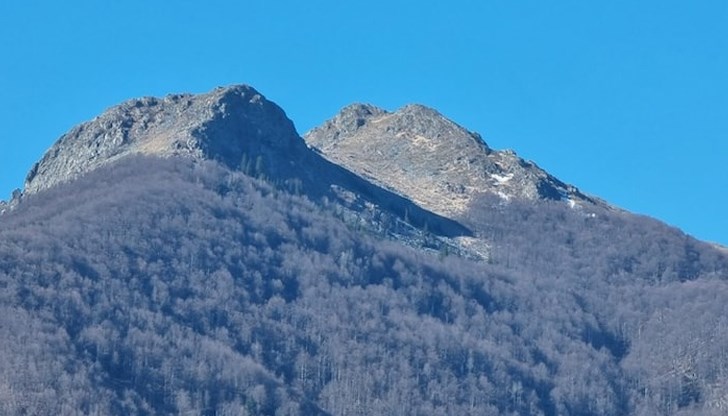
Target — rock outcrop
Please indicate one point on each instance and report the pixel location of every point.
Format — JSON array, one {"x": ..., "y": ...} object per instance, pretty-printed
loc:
[
  {"x": 228, "y": 124},
  {"x": 419, "y": 153}
]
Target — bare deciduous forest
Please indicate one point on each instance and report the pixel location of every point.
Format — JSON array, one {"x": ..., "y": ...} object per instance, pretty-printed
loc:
[{"x": 170, "y": 287}]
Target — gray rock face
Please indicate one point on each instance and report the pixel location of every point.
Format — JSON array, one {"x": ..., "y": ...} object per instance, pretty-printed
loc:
[
  {"x": 227, "y": 124},
  {"x": 414, "y": 152},
  {"x": 417, "y": 152}
]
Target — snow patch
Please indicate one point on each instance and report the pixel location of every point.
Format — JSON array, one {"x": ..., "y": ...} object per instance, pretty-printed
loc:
[{"x": 501, "y": 179}]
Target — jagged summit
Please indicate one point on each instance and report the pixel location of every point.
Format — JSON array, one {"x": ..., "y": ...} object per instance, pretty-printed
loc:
[
  {"x": 224, "y": 124},
  {"x": 414, "y": 152},
  {"x": 418, "y": 152}
]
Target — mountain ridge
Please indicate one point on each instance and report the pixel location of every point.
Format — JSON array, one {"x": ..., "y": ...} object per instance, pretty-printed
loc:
[
  {"x": 415, "y": 151},
  {"x": 447, "y": 169}
]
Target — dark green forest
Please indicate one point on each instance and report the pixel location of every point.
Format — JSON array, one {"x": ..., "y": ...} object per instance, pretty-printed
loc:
[{"x": 166, "y": 286}]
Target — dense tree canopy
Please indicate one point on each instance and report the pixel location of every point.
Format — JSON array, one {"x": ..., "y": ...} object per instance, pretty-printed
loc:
[{"x": 171, "y": 287}]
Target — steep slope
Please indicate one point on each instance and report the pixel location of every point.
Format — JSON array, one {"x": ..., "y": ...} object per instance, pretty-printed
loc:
[
  {"x": 420, "y": 154},
  {"x": 145, "y": 283}
]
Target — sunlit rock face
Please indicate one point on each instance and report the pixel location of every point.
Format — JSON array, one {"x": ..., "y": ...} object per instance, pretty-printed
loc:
[{"x": 440, "y": 165}]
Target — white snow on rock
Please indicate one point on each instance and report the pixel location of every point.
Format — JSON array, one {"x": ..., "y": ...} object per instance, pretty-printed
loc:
[{"x": 501, "y": 179}]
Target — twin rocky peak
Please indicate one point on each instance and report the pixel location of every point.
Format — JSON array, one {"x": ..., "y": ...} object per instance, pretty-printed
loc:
[{"x": 414, "y": 152}]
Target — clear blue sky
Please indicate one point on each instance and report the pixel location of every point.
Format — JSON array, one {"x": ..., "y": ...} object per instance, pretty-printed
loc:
[{"x": 627, "y": 100}]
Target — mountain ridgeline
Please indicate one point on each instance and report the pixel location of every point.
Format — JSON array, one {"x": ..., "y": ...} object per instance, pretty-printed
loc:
[{"x": 194, "y": 255}]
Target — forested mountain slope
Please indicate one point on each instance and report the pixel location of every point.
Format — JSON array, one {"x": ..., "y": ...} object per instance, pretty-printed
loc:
[{"x": 183, "y": 285}]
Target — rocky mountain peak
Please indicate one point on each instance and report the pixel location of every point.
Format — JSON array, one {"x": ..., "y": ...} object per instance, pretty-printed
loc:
[
  {"x": 225, "y": 124},
  {"x": 417, "y": 152},
  {"x": 414, "y": 152}
]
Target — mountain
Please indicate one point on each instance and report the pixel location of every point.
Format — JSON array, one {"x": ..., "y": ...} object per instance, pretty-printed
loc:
[
  {"x": 235, "y": 126},
  {"x": 441, "y": 166},
  {"x": 194, "y": 255},
  {"x": 201, "y": 127}
]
